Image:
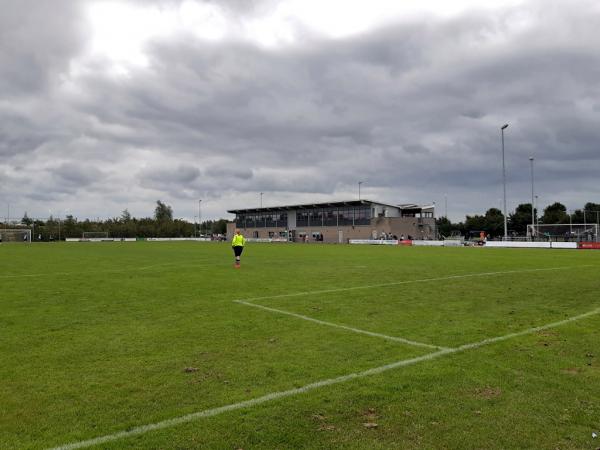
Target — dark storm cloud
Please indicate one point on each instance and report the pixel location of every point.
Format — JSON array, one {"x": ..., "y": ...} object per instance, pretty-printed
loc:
[{"x": 413, "y": 109}]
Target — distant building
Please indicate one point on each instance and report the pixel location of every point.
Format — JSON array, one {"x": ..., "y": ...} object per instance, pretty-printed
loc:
[{"x": 335, "y": 221}]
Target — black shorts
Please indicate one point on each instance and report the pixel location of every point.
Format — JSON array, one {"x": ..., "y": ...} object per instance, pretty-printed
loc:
[{"x": 237, "y": 250}]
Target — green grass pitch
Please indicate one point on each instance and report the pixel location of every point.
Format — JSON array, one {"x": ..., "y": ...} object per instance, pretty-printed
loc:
[{"x": 95, "y": 340}]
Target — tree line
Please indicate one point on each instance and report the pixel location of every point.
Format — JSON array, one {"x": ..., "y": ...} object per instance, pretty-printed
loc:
[
  {"x": 161, "y": 224},
  {"x": 492, "y": 222}
]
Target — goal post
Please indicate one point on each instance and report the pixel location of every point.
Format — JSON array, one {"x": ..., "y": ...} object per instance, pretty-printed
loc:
[
  {"x": 15, "y": 235},
  {"x": 567, "y": 232}
]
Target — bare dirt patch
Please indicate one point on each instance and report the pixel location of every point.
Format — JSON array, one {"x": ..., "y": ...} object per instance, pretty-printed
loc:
[{"x": 488, "y": 392}]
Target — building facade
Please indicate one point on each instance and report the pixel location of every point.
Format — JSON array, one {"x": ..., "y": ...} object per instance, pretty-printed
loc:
[{"x": 335, "y": 222}]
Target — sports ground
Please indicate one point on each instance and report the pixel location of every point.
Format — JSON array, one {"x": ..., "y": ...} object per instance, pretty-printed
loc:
[{"x": 166, "y": 346}]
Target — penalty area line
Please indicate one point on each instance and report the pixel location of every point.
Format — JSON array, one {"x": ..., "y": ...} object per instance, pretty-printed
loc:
[
  {"x": 343, "y": 327},
  {"x": 312, "y": 386}
]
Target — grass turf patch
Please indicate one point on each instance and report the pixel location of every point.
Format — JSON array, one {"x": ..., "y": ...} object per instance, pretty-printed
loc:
[{"x": 97, "y": 337}]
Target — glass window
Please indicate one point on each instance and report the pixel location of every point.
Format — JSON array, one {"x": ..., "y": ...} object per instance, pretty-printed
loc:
[
  {"x": 302, "y": 218},
  {"x": 330, "y": 218},
  {"x": 282, "y": 220},
  {"x": 362, "y": 216}
]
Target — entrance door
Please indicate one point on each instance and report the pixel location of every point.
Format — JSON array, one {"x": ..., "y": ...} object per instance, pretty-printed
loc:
[{"x": 340, "y": 237}]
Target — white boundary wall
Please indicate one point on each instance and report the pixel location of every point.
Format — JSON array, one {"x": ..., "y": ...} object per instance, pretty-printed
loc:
[
  {"x": 524, "y": 244},
  {"x": 100, "y": 239},
  {"x": 517, "y": 244},
  {"x": 446, "y": 243},
  {"x": 179, "y": 239},
  {"x": 428, "y": 243},
  {"x": 564, "y": 244},
  {"x": 266, "y": 240},
  {"x": 134, "y": 239},
  {"x": 373, "y": 241}
]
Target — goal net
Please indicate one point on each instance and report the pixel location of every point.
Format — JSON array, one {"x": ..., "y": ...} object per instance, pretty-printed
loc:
[
  {"x": 94, "y": 235},
  {"x": 567, "y": 232},
  {"x": 15, "y": 235}
]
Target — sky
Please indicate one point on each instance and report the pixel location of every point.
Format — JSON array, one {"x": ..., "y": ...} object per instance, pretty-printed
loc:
[{"x": 113, "y": 105}]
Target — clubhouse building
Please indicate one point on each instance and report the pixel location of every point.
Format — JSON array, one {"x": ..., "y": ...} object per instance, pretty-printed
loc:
[{"x": 335, "y": 222}]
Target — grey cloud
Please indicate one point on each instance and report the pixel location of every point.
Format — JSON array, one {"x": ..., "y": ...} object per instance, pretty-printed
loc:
[
  {"x": 228, "y": 173},
  {"x": 37, "y": 41},
  {"x": 414, "y": 109},
  {"x": 180, "y": 175},
  {"x": 79, "y": 175}
]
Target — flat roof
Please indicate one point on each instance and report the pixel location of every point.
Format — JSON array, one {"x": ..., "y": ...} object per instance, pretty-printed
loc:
[{"x": 404, "y": 207}]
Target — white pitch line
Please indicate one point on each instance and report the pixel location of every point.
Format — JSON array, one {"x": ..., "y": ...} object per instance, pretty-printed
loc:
[
  {"x": 422, "y": 280},
  {"x": 343, "y": 327},
  {"x": 309, "y": 387}
]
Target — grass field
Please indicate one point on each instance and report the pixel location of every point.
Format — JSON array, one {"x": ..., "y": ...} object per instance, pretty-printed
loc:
[{"x": 307, "y": 346}]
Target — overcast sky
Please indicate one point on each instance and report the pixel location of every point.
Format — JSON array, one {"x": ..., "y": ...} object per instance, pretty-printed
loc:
[{"x": 112, "y": 105}]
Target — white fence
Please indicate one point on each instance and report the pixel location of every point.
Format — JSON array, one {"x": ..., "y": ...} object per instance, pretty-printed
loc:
[
  {"x": 100, "y": 240},
  {"x": 134, "y": 239},
  {"x": 373, "y": 241},
  {"x": 266, "y": 240},
  {"x": 446, "y": 243},
  {"x": 179, "y": 239},
  {"x": 522, "y": 244}
]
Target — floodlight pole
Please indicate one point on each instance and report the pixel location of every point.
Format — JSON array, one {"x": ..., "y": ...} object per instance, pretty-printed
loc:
[
  {"x": 446, "y": 206},
  {"x": 261, "y": 194},
  {"x": 359, "y": 183},
  {"x": 532, "y": 199},
  {"x": 537, "y": 222},
  {"x": 504, "y": 127},
  {"x": 199, "y": 220}
]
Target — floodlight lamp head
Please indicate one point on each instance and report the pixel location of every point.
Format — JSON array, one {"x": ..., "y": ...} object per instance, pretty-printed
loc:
[
  {"x": 504, "y": 127},
  {"x": 531, "y": 158}
]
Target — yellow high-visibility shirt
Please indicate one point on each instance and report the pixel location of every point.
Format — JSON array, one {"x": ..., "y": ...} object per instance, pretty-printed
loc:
[{"x": 238, "y": 240}]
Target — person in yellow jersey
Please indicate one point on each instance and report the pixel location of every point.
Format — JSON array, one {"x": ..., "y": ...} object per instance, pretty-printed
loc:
[{"x": 237, "y": 243}]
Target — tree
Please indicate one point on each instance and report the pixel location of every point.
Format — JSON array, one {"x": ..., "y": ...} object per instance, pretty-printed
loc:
[
  {"x": 444, "y": 226},
  {"x": 475, "y": 223},
  {"x": 555, "y": 213},
  {"x": 163, "y": 212},
  {"x": 592, "y": 211},
  {"x": 494, "y": 219},
  {"x": 125, "y": 216},
  {"x": 519, "y": 220},
  {"x": 492, "y": 222},
  {"x": 26, "y": 220}
]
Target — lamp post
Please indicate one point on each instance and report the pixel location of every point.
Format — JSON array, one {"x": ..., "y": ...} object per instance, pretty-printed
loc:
[
  {"x": 359, "y": 183},
  {"x": 504, "y": 127},
  {"x": 199, "y": 219},
  {"x": 532, "y": 199},
  {"x": 445, "y": 206}
]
